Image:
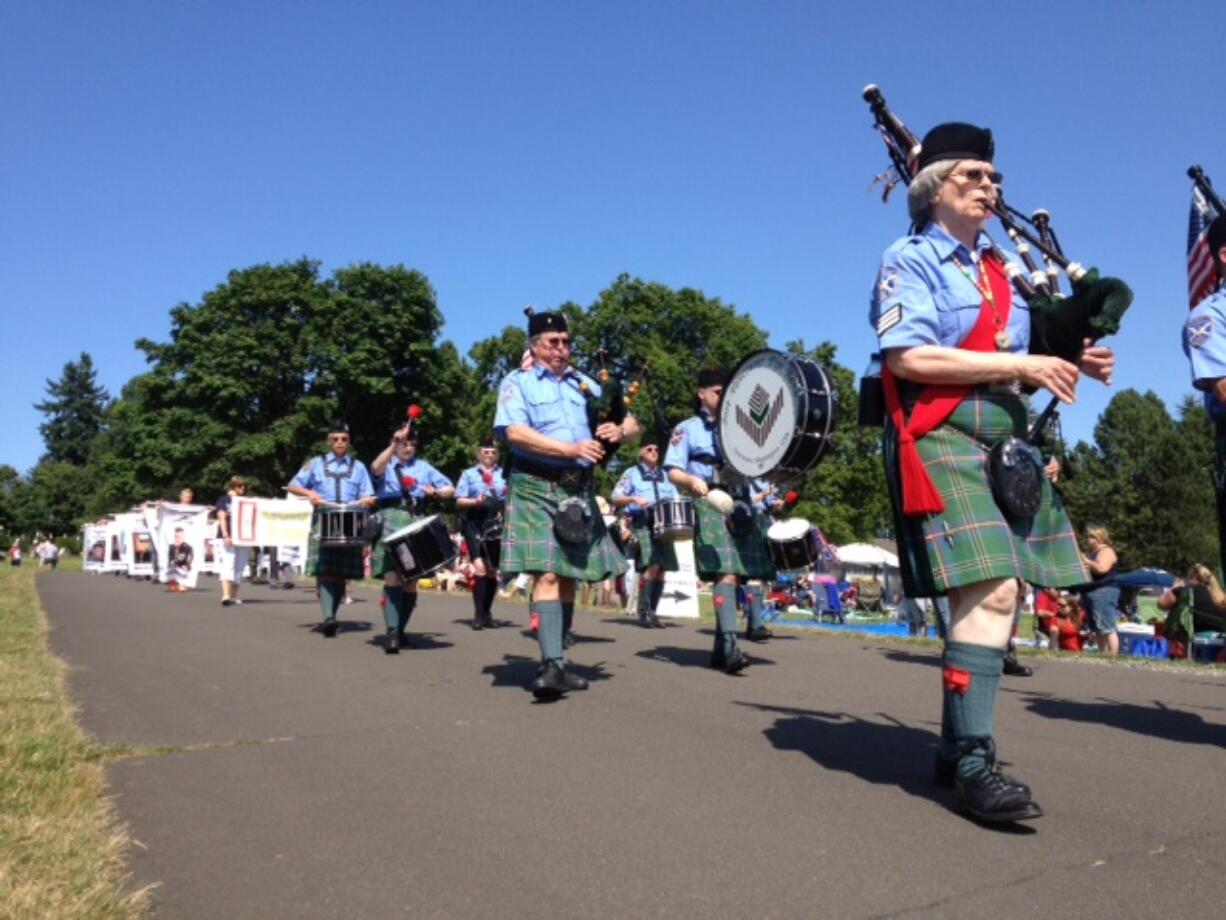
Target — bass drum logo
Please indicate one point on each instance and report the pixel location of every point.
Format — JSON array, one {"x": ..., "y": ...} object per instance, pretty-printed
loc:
[{"x": 757, "y": 415}]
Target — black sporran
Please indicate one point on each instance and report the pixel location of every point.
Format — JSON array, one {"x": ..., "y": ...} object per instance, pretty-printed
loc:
[
  {"x": 740, "y": 519},
  {"x": 572, "y": 522},
  {"x": 1015, "y": 471},
  {"x": 373, "y": 529}
]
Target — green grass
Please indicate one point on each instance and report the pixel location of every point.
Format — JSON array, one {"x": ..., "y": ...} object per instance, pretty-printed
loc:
[{"x": 61, "y": 847}]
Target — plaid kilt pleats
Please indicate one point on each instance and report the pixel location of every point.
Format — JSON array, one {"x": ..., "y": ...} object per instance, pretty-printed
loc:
[
  {"x": 717, "y": 552},
  {"x": 971, "y": 541},
  {"x": 528, "y": 541}
]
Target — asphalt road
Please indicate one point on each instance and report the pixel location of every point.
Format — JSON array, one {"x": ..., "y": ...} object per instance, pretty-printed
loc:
[{"x": 322, "y": 778}]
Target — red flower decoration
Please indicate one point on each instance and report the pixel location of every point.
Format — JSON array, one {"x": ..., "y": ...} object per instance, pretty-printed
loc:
[
  {"x": 407, "y": 482},
  {"x": 488, "y": 477},
  {"x": 791, "y": 498},
  {"x": 414, "y": 412}
]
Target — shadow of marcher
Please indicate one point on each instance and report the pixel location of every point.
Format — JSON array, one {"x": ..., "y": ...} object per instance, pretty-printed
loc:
[
  {"x": 932, "y": 660},
  {"x": 519, "y": 671},
  {"x": 887, "y": 753},
  {"x": 413, "y": 641},
  {"x": 692, "y": 657},
  {"x": 342, "y": 626},
  {"x": 1158, "y": 721}
]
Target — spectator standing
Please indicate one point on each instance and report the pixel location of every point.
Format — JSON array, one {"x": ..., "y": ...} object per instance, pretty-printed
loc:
[
  {"x": 1101, "y": 598},
  {"x": 233, "y": 558}
]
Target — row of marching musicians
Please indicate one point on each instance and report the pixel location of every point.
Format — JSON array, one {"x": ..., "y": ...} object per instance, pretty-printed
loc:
[{"x": 542, "y": 518}]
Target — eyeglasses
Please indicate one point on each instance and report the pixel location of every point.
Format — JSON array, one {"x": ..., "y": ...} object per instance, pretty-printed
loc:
[
  {"x": 339, "y": 438},
  {"x": 977, "y": 175},
  {"x": 556, "y": 341},
  {"x": 652, "y": 448}
]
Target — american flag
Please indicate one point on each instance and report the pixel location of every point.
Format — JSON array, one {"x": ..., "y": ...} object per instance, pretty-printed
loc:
[{"x": 1202, "y": 277}]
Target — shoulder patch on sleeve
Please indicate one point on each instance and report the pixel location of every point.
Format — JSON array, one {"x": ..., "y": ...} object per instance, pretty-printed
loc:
[
  {"x": 889, "y": 319},
  {"x": 508, "y": 391},
  {"x": 678, "y": 435},
  {"x": 1199, "y": 331}
]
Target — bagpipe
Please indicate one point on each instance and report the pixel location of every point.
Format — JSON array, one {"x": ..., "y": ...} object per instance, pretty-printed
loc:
[
  {"x": 614, "y": 402},
  {"x": 1060, "y": 321}
]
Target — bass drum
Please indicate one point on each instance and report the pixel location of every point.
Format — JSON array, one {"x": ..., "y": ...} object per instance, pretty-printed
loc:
[{"x": 776, "y": 416}]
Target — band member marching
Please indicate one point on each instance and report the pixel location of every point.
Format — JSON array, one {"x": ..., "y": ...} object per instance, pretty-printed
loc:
[
  {"x": 341, "y": 478},
  {"x": 956, "y": 356},
  {"x": 641, "y": 488},
  {"x": 765, "y": 501},
  {"x": 727, "y": 549},
  {"x": 405, "y": 482},
  {"x": 481, "y": 494},
  {"x": 1204, "y": 342},
  {"x": 553, "y": 528}
]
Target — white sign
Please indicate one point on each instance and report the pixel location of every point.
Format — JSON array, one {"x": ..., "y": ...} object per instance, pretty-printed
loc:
[
  {"x": 181, "y": 524},
  {"x": 680, "y": 597},
  {"x": 279, "y": 522},
  {"x": 93, "y": 547}
]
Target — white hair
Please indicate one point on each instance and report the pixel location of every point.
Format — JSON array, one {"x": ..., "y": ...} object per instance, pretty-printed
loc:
[{"x": 924, "y": 186}]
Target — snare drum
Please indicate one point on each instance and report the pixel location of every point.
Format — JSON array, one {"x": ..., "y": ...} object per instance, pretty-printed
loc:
[
  {"x": 341, "y": 525},
  {"x": 673, "y": 520},
  {"x": 776, "y": 415},
  {"x": 792, "y": 544},
  {"x": 421, "y": 548}
]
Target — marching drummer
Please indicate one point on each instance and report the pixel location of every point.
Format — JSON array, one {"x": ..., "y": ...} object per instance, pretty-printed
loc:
[
  {"x": 338, "y": 477},
  {"x": 553, "y": 528},
  {"x": 641, "y": 488},
  {"x": 481, "y": 495},
  {"x": 766, "y": 501},
  {"x": 722, "y": 557},
  {"x": 405, "y": 482}
]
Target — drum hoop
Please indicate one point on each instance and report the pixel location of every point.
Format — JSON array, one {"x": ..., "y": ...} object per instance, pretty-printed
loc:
[
  {"x": 409, "y": 529},
  {"x": 779, "y": 537}
]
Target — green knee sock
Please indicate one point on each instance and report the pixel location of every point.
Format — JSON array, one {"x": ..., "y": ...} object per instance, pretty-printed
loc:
[
  {"x": 971, "y": 676},
  {"x": 410, "y": 604},
  {"x": 724, "y": 597},
  {"x": 645, "y": 591},
  {"x": 754, "y": 614},
  {"x": 330, "y": 595},
  {"x": 549, "y": 635},
  {"x": 568, "y": 616},
  {"x": 393, "y": 606},
  {"x": 657, "y": 591}
]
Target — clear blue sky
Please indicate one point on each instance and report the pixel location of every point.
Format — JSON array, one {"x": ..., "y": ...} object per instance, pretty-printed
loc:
[{"x": 528, "y": 152}]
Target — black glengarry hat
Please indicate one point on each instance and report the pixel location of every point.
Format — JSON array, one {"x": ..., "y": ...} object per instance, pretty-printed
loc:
[
  {"x": 487, "y": 440},
  {"x": 712, "y": 377},
  {"x": 338, "y": 427},
  {"x": 956, "y": 140},
  {"x": 549, "y": 321}
]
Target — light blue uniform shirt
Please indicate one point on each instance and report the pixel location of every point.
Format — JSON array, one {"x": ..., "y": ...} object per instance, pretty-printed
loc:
[
  {"x": 549, "y": 405},
  {"x": 1204, "y": 342},
  {"x": 757, "y": 486},
  {"x": 472, "y": 483},
  {"x": 335, "y": 480},
  {"x": 419, "y": 471},
  {"x": 637, "y": 482},
  {"x": 922, "y": 297},
  {"x": 692, "y": 448}
]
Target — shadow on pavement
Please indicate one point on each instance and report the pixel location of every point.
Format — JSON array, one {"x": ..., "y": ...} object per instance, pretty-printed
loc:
[
  {"x": 519, "y": 670},
  {"x": 342, "y": 626},
  {"x": 933, "y": 660},
  {"x": 1157, "y": 721},
  {"x": 413, "y": 641},
  {"x": 693, "y": 657}
]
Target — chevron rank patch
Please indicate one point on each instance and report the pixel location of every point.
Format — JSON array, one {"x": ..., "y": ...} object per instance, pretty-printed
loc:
[
  {"x": 1199, "y": 331},
  {"x": 889, "y": 319}
]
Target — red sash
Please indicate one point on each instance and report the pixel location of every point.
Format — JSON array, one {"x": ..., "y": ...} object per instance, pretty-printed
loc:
[{"x": 938, "y": 400}]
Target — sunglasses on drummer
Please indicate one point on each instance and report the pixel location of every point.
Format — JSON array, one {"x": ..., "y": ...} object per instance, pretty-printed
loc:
[
  {"x": 977, "y": 175},
  {"x": 341, "y": 438},
  {"x": 556, "y": 341}
]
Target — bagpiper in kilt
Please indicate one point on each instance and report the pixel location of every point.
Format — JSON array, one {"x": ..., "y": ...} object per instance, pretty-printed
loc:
[
  {"x": 335, "y": 477},
  {"x": 956, "y": 354},
  {"x": 404, "y": 483},
  {"x": 553, "y": 529},
  {"x": 693, "y": 462},
  {"x": 481, "y": 496},
  {"x": 639, "y": 492}
]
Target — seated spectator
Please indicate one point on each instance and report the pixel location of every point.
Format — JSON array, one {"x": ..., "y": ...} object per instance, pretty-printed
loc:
[
  {"x": 1194, "y": 605},
  {"x": 1046, "y": 603},
  {"x": 1067, "y": 626}
]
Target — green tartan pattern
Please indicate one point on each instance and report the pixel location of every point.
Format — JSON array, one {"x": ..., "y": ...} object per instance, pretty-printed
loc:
[
  {"x": 971, "y": 541},
  {"x": 529, "y": 544},
  {"x": 333, "y": 561},
  {"x": 380, "y": 559},
  {"x": 655, "y": 552},
  {"x": 717, "y": 552}
]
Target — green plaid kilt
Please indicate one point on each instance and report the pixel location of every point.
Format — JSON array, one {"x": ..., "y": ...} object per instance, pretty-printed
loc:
[
  {"x": 332, "y": 561},
  {"x": 971, "y": 541},
  {"x": 717, "y": 552},
  {"x": 528, "y": 542},
  {"x": 393, "y": 519},
  {"x": 653, "y": 551}
]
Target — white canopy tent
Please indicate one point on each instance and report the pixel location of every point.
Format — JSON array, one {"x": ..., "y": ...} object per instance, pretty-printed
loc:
[{"x": 865, "y": 555}]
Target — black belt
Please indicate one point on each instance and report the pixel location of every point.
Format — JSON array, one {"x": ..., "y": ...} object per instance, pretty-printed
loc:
[
  {"x": 408, "y": 504},
  {"x": 574, "y": 477}
]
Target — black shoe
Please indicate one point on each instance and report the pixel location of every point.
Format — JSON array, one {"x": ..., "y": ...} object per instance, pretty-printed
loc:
[
  {"x": 573, "y": 681},
  {"x": 478, "y": 624},
  {"x": 405, "y": 641},
  {"x": 758, "y": 634},
  {"x": 654, "y": 621},
  {"x": 735, "y": 662},
  {"x": 391, "y": 643},
  {"x": 226, "y": 602},
  {"x": 645, "y": 620},
  {"x": 550, "y": 684},
  {"x": 568, "y": 641},
  {"x": 1015, "y": 668},
  {"x": 329, "y": 628},
  {"x": 718, "y": 660},
  {"x": 945, "y": 774},
  {"x": 489, "y": 622},
  {"x": 988, "y": 797}
]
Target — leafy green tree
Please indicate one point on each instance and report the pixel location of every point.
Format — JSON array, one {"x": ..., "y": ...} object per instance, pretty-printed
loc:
[
  {"x": 1145, "y": 478},
  {"x": 53, "y": 498},
  {"x": 10, "y": 488},
  {"x": 74, "y": 407}
]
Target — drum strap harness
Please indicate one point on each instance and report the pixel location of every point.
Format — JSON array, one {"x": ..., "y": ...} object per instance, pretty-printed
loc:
[
  {"x": 336, "y": 478},
  {"x": 938, "y": 401}
]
